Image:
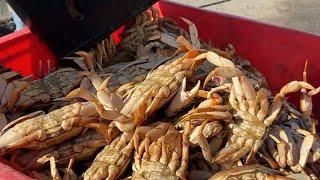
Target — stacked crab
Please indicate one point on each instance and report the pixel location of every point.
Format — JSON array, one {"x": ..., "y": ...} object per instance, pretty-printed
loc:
[{"x": 159, "y": 105}]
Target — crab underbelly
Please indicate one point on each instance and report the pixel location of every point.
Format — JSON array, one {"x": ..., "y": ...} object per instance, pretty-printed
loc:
[
  {"x": 252, "y": 129},
  {"x": 155, "y": 171},
  {"x": 146, "y": 92}
]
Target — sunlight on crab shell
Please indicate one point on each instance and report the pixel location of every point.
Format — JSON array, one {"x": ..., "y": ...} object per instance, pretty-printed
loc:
[{"x": 175, "y": 105}]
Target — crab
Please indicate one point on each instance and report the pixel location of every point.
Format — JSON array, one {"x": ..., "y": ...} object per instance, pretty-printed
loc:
[
  {"x": 23, "y": 94},
  {"x": 163, "y": 158},
  {"x": 78, "y": 148},
  {"x": 291, "y": 146},
  {"x": 38, "y": 130},
  {"x": 113, "y": 160},
  {"x": 205, "y": 122},
  {"x": 160, "y": 86},
  {"x": 250, "y": 172},
  {"x": 251, "y": 106}
]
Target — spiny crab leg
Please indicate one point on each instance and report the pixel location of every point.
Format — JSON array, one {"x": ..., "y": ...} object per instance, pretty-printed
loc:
[
  {"x": 204, "y": 122},
  {"x": 184, "y": 45},
  {"x": 182, "y": 98},
  {"x": 106, "y": 98},
  {"x": 212, "y": 98},
  {"x": 215, "y": 113},
  {"x": 88, "y": 59},
  {"x": 209, "y": 109}
]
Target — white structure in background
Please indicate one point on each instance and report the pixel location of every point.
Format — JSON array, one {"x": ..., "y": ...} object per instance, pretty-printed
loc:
[{"x": 17, "y": 20}]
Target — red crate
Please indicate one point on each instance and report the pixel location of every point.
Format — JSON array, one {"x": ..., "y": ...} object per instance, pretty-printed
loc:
[
  {"x": 26, "y": 53},
  {"x": 279, "y": 53}
]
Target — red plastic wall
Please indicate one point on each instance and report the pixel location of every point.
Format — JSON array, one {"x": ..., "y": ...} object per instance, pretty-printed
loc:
[
  {"x": 279, "y": 53},
  {"x": 26, "y": 53},
  {"x": 7, "y": 172}
]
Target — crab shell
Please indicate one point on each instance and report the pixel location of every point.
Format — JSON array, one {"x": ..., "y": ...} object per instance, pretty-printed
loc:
[{"x": 36, "y": 131}]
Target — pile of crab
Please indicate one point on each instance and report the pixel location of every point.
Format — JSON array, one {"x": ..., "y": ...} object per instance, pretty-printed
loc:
[{"x": 159, "y": 105}]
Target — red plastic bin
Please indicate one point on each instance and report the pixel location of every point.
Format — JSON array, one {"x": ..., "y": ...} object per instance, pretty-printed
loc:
[
  {"x": 279, "y": 53},
  {"x": 26, "y": 53}
]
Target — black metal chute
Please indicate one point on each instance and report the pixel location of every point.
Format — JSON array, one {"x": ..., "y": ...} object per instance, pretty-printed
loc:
[{"x": 69, "y": 25}]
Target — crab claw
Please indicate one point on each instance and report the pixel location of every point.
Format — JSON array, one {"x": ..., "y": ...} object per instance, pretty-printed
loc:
[
  {"x": 295, "y": 86},
  {"x": 216, "y": 60},
  {"x": 182, "y": 98},
  {"x": 193, "y": 33},
  {"x": 225, "y": 72},
  {"x": 225, "y": 69}
]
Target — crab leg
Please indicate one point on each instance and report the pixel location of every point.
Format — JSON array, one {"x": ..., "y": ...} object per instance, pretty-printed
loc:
[
  {"x": 280, "y": 157},
  {"x": 266, "y": 156},
  {"x": 182, "y": 98},
  {"x": 234, "y": 151},
  {"x": 53, "y": 169},
  {"x": 193, "y": 33},
  {"x": 305, "y": 147},
  {"x": 203, "y": 143},
  {"x": 277, "y": 103},
  {"x": 112, "y": 161}
]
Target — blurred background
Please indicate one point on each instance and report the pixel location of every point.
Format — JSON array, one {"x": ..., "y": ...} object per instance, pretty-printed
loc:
[
  {"x": 9, "y": 21},
  {"x": 296, "y": 14}
]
